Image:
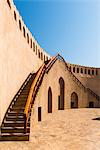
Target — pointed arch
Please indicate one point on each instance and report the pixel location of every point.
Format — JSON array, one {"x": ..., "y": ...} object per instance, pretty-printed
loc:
[
  {"x": 74, "y": 100},
  {"x": 31, "y": 42},
  {"x": 49, "y": 100},
  {"x": 61, "y": 96}
]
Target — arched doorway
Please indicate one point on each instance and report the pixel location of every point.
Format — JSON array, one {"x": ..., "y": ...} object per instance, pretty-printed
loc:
[
  {"x": 49, "y": 100},
  {"x": 74, "y": 100},
  {"x": 61, "y": 96}
]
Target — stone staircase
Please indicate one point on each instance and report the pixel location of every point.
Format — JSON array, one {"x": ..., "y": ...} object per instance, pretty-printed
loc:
[
  {"x": 12, "y": 128},
  {"x": 16, "y": 123}
]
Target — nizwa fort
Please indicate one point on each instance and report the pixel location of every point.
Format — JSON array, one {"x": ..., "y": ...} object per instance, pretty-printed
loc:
[{"x": 33, "y": 83}]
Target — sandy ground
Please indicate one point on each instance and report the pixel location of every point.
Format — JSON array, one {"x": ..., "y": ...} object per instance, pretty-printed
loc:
[{"x": 71, "y": 129}]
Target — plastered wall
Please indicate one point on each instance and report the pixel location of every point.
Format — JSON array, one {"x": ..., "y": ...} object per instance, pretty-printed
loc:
[
  {"x": 17, "y": 56},
  {"x": 89, "y": 76},
  {"x": 51, "y": 79}
]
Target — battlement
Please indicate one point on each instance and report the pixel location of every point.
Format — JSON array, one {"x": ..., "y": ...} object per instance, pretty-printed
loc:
[
  {"x": 20, "y": 53},
  {"x": 84, "y": 70},
  {"x": 29, "y": 38}
]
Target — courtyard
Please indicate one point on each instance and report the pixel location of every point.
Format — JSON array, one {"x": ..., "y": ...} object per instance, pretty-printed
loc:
[{"x": 71, "y": 129}]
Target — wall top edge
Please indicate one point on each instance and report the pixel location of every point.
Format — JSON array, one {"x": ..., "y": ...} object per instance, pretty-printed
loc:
[
  {"x": 82, "y": 66},
  {"x": 13, "y": 6}
]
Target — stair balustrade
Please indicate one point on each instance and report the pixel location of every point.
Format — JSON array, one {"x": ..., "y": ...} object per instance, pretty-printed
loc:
[{"x": 32, "y": 93}]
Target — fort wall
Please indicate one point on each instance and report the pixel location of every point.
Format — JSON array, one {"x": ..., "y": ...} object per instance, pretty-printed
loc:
[
  {"x": 89, "y": 76},
  {"x": 51, "y": 80},
  {"x": 20, "y": 54}
]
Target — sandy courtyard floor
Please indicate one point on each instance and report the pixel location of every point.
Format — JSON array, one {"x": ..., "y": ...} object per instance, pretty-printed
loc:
[{"x": 71, "y": 129}]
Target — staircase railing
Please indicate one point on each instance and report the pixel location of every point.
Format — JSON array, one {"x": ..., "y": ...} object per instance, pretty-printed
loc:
[
  {"x": 36, "y": 83},
  {"x": 32, "y": 93},
  {"x": 52, "y": 61},
  {"x": 18, "y": 93},
  {"x": 33, "y": 90}
]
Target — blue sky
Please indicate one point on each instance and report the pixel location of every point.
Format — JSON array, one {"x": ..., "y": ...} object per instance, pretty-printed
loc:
[{"x": 68, "y": 27}]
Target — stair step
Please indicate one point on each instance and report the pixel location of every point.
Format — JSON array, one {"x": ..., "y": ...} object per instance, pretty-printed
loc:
[
  {"x": 28, "y": 86},
  {"x": 25, "y": 92},
  {"x": 15, "y": 113},
  {"x": 14, "y": 118},
  {"x": 21, "y": 99},
  {"x": 23, "y": 96},
  {"x": 14, "y": 129},
  {"x": 14, "y": 107},
  {"x": 19, "y": 105},
  {"x": 13, "y": 124},
  {"x": 26, "y": 89},
  {"x": 20, "y": 102},
  {"x": 17, "y": 109},
  {"x": 14, "y": 137}
]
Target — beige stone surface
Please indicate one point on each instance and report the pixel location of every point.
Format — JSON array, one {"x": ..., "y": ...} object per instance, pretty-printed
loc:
[
  {"x": 51, "y": 79},
  {"x": 71, "y": 129},
  {"x": 91, "y": 81},
  {"x": 17, "y": 58}
]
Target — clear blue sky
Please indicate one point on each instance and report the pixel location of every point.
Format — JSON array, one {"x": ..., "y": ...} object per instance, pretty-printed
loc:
[{"x": 68, "y": 27}]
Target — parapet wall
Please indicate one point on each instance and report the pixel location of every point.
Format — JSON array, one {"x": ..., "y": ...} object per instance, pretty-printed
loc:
[
  {"x": 89, "y": 76},
  {"x": 20, "y": 54},
  {"x": 84, "y": 70},
  {"x": 33, "y": 44}
]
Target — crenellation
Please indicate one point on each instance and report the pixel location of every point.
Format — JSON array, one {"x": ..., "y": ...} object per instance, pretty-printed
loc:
[
  {"x": 15, "y": 16},
  {"x": 77, "y": 70},
  {"x": 27, "y": 38},
  {"x": 25, "y": 31},
  {"x": 9, "y": 3},
  {"x": 31, "y": 42},
  {"x": 41, "y": 56},
  {"x": 39, "y": 53},
  {"x": 20, "y": 26},
  {"x": 83, "y": 70}
]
